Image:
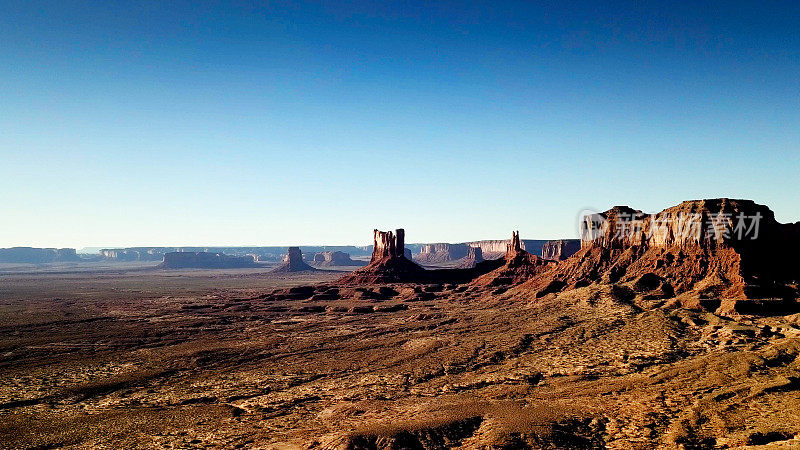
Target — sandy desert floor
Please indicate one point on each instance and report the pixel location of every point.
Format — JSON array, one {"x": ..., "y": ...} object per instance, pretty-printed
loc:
[{"x": 178, "y": 359}]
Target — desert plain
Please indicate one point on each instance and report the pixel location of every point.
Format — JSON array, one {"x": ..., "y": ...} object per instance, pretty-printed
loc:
[{"x": 245, "y": 358}]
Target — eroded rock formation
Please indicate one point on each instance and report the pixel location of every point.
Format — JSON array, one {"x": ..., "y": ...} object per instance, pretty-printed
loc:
[
  {"x": 388, "y": 245},
  {"x": 389, "y": 262},
  {"x": 293, "y": 262},
  {"x": 561, "y": 249},
  {"x": 717, "y": 252},
  {"x": 205, "y": 260},
  {"x": 329, "y": 259},
  {"x": 518, "y": 266}
]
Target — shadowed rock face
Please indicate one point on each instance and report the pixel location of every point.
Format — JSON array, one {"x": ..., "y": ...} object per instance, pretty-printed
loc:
[
  {"x": 561, "y": 249},
  {"x": 205, "y": 260},
  {"x": 293, "y": 262},
  {"x": 718, "y": 249}
]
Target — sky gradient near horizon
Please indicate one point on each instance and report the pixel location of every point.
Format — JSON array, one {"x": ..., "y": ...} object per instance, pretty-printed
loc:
[{"x": 278, "y": 123}]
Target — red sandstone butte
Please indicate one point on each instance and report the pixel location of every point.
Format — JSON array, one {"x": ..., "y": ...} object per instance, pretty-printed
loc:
[
  {"x": 293, "y": 262},
  {"x": 699, "y": 250},
  {"x": 389, "y": 263}
]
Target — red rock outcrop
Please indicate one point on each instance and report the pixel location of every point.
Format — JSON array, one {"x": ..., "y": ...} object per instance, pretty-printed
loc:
[
  {"x": 293, "y": 262},
  {"x": 389, "y": 262},
  {"x": 717, "y": 252},
  {"x": 561, "y": 249},
  {"x": 519, "y": 266},
  {"x": 329, "y": 259}
]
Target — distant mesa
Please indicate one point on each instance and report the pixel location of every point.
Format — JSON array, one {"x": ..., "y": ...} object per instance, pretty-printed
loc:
[
  {"x": 261, "y": 254},
  {"x": 465, "y": 255},
  {"x": 205, "y": 260},
  {"x": 440, "y": 253},
  {"x": 333, "y": 259},
  {"x": 134, "y": 254},
  {"x": 496, "y": 249},
  {"x": 390, "y": 262},
  {"x": 518, "y": 267},
  {"x": 33, "y": 255},
  {"x": 293, "y": 262},
  {"x": 722, "y": 254},
  {"x": 561, "y": 249}
]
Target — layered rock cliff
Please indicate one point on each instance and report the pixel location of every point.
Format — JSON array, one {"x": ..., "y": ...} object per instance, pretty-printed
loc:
[
  {"x": 715, "y": 251},
  {"x": 561, "y": 249},
  {"x": 494, "y": 249},
  {"x": 137, "y": 254}
]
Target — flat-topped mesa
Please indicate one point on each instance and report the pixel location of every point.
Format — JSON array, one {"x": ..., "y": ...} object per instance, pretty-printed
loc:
[
  {"x": 715, "y": 251},
  {"x": 496, "y": 248},
  {"x": 205, "y": 260},
  {"x": 293, "y": 262},
  {"x": 35, "y": 255},
  {"x": 707, "y": 224},
  {"x": 387, "y": 245}
]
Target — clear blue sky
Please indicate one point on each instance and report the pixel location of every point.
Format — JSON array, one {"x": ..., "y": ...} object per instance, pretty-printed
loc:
[{"x": 268, "y": 123}]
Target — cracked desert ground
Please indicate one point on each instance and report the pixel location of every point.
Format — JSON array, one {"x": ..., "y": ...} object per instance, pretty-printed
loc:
[{"x": 248, "y": 359}]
